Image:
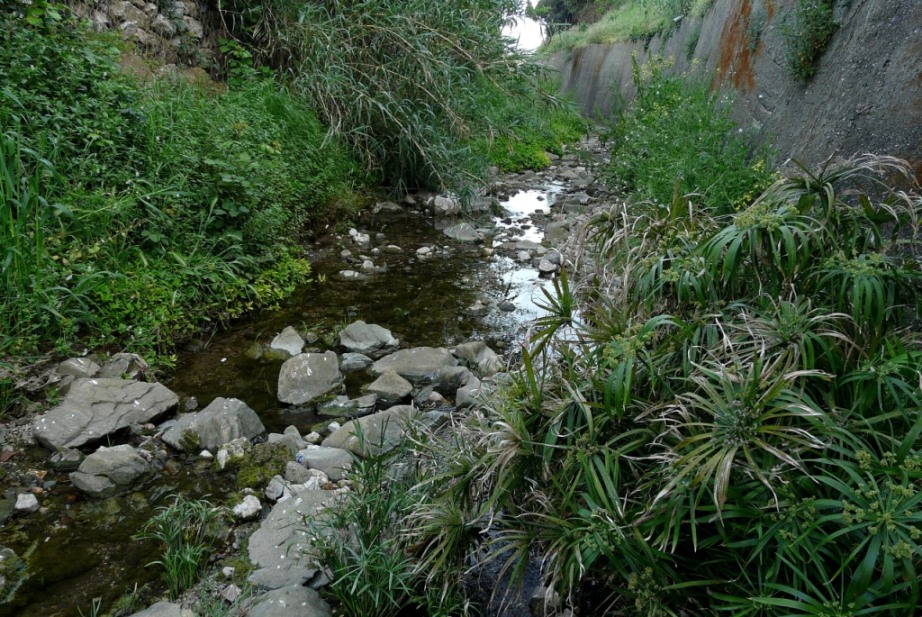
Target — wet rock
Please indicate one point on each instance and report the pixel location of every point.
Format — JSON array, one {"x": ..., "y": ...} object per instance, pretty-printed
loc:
[
  {"x": 506, "y": 306},
  {"x": 292, "y": 601},
  {"x": 280, "y": 549},
  {"x": 96, "y": 407},
  {"x": 354, "y": 362},
  {"x": 225, "y": 420},
  {"x": 417, "y": 365},
  {"x": 367, "y": 339},
  {"x": 478, "y": 356},
  {"x": 463, "y": 232},
  {"x": 248, "y": 509},
  {"x": 127, "y": 366},
  {"x": 546, "y": 267},
  {"x": 78, "y": 367},
  {"x": 390, "y": 388},
  {"x": 450, "y": 378},
  {"x": 26, "y": 503},
  {"x": 444, "y": 205},
  {"x": 165, "y": 609},
  {"x": 308, "y": 376},
  {"x": 381, "y": 432},
  {"x": 288, "y": 341},
  {"x": 66, "y": 459},
  {"x": 334, "y": 462},
  {"x": 110, "y": 471}
]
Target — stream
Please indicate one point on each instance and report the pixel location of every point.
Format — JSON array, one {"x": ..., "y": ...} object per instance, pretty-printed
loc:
[{"x": 77, "y": 549}]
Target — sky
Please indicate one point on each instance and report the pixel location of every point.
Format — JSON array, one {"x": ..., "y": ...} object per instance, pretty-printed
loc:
[{"x": 527, "y": 31}]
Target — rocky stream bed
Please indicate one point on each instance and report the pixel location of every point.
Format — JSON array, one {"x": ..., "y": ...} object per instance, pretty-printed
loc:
[{"x": 417, "y": 311}]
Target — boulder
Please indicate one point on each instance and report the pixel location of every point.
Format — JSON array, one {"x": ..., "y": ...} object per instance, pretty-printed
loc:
[
  {"x": 288, "y": 341},
  {"x": 467, "y": 395},
  {"x": 380, "y": 432},
  {"x": 334, "y": 462},
  {"x": 450, "y": 378},
  {"x": 417, "y": 365},
  {"x": 478, "y": 356},
  {"x": 308, "y": 376},
  {"x": 225, "y": 420},
  {"x": 367, "y": 339},
  {"x": 292, "y": 601},
  {"x": 390, "y": 388},
  {"x": 280, "y": 549},
  {"x": 109, "y": 471},
  {"x": 97, "y": 407}
]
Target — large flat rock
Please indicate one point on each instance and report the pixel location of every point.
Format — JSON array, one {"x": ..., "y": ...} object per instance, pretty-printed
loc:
[
  {"x": 97, "y": 407},
  {"x": 368, "y": 339},
  {"x": 290, "y": 602},
  {"x": 280, "y": 548},
  {"x": 417, "y": 365},
  {"x": 380, "y": 432},
  {"x": 309, "y": 376}
]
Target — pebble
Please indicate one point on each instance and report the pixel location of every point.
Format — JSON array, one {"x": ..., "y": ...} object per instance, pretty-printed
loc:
[{"x": 26, "y": 503}]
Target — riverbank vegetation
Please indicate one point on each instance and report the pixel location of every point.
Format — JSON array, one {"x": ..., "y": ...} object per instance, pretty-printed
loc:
[
  {"x": 136, "y": 213},
  {"x": 724, "y": 417}
]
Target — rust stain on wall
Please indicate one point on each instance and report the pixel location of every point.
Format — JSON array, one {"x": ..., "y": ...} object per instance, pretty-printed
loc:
[{"x": 734, "y": 60}]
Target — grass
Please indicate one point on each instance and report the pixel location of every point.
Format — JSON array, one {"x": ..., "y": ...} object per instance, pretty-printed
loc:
[
  {"x": 628, "y": 20},
  {"x": 807, "y": 29},
  {"x": 135, "y": 215},
  {"x": 186, "y": 531}
]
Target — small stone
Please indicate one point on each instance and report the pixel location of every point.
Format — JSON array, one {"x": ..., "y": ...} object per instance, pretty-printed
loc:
[
  {"x": 313, "y": 437},
  {"x": 228, "y": 572},
  {"x": 231, "y": 593},
  {"x": 276, "y": 488},
  {"x": 26, "y": 503},
  {"x": 206, "y": 455},
  {"x": 506, "y": 306},
  {"x": 247, "y": 509}
]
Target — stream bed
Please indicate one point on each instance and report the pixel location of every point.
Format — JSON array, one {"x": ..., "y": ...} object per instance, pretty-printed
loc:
[{"x": 409, "y": 277}]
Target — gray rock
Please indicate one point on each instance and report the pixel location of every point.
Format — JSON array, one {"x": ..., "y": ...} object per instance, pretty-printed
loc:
[
  {"x": 26, "y": 503},
  {"x": 193, "y": 27},
  {"x": 276, "y": 488},
  {"x": 288, "y": 341},
  {"x": 417, "y": 365},
  {"x": 463, "y": 232},
  {"x": 66, "y": 459},
  {"x": 557, "y": 232},
  {"x": 531, "y": 247},
  {"x": 235, "y": 450},
  {"x": 225, "y": 420},
  {"x": 78, "y": 367},
  {"x": 293, "y": 601},
  {"x": 367, "y": 339},
  {"x": 308, "y": 376},
  {"x": 381, "y": 432},
  {"x": 248, "y": 509},
  {"x": 478, "y": 356},
  {"x": 546, "y": 267},
  {"x": 354, "y": 362},
  {"x": 163, "y": 26},
  {"x": 450, "y": 378},
  {"x": 94, "y": 408},
  {"x": 468, "y": 394},
  {"x": 127, "y": 366},
  {"x": 280, "y": 549},
  {"x": 446, "y": 206},
  {"x": 109, "y": 471},
  {"x": 165, "y": 609},
  {"x": 390, "y": 388},
  {"x": 334, "y": 462},
  {"x": 296, "y": 473},
  {"x": 293, "y": 442}
]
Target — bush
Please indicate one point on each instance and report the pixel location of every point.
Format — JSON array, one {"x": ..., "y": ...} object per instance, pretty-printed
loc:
[
  {"x": 806, "y": 31},
  {"x": 403, "y": 82},
  {"x": 141, "y": 213},
  {"x": 726, "y": 418},
  {"x": 678, "y": 139}
]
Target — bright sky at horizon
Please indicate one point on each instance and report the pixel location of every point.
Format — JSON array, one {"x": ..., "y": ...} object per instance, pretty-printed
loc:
[{"x": 527, "y": 31}]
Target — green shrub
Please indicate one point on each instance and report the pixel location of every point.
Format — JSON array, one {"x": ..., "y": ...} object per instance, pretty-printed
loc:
[
  {"x": 141, "y": 213},
  {"x": 406, "y": 90},
  {"x": 186, "y": 531},
  {"x": 726, "y": 418},
  {"x": 678, "y": 139},
  {"x": 806, "y": 31}
]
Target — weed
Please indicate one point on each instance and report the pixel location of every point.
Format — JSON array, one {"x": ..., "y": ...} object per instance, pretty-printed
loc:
[
  {"x": 806, "y": 31},
  {"x": 186, "y": 530}
]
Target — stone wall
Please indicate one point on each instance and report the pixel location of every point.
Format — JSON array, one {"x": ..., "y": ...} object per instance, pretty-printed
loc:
[
  {"x": 172, "y": 31},
  {"x": 865, "y": 97}
]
